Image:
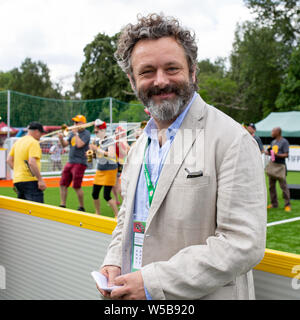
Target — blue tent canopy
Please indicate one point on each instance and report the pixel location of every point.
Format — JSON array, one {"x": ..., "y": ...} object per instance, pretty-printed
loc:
[{"x": 289, "y": 122}]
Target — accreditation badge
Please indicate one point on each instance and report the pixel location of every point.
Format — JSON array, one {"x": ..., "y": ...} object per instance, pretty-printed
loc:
[{"x": 137, "y": 248}]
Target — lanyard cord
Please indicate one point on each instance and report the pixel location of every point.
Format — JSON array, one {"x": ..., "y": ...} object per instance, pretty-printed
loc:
[{"x": 150, "y": 187}]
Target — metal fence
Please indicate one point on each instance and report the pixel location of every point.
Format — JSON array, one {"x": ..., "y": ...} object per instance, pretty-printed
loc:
[
  {"x": 49, "y": 167},
  {"x": 17, "y": 110}
]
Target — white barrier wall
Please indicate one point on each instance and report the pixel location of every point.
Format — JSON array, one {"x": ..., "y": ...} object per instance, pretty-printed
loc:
[
  {"x": 46, "y": 259},
  {"x": 270, "y": 286},
  {"x": 293, "y": 161}
]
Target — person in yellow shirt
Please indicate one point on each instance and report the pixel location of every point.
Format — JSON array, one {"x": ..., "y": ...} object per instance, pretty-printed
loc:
[{"x": 24, "y": 158}]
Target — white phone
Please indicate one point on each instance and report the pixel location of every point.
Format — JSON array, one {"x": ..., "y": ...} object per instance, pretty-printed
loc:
[{"x": 101, "y": 281}]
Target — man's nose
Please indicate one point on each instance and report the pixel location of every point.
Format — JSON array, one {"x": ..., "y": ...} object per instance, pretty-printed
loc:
[{"x": 161, "y": 79}]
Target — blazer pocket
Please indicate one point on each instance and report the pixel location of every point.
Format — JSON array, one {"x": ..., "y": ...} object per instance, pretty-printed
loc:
[{"x": 195, "y": 182}]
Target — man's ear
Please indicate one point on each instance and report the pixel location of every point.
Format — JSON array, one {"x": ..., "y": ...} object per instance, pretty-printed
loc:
[{"x": 194, "y": 74}]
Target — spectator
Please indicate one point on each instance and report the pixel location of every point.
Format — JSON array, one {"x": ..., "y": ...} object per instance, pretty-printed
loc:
[
  {"x": 55, "y": 156},
  {"x": 78, "y": 140},
  {"x": 252, "y": 130},
  {"x": 106, "y": 173},
  {"x": 276, "y": 169},
  {"x": 24, "y": 158}
]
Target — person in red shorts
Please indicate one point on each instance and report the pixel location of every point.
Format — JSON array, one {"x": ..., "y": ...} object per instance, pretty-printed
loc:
[{"x": 78, "y": 141}]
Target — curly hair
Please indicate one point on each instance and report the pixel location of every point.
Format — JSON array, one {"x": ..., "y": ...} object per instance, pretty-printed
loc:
[{"x": 152, "y": 27}]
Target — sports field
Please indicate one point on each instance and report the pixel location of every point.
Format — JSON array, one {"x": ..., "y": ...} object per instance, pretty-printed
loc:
[{"x": 283, "y": 237}]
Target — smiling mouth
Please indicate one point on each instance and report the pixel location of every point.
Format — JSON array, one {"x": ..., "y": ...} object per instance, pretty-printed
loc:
[{"x": 164, "y": 95}]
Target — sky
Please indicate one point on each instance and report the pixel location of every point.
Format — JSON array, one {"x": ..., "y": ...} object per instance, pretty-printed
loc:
[{"x": 56, "y": 31}]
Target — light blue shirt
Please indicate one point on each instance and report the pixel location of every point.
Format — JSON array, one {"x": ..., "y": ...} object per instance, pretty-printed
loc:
[{"x": 155, "y": 157}]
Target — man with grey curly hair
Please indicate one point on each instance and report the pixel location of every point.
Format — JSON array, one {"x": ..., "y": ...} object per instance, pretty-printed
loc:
[{"x": 193, "y": 218}]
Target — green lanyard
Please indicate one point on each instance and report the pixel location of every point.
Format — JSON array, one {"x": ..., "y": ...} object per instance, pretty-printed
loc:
[{"x": 150, "y": 187}]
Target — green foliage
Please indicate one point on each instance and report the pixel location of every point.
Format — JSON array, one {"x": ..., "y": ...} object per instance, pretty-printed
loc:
[
  {"x": 284, "y": 237},
  {"x": 216, "y": 67},
  {"x": 261, "y": 57},
  {"x": 5, "y": 80},
  {"x": 289, "y": 96},
  {"x": 255, "y": 66},
  {"x": 100, "y": 76},
  {"x": 283, "y": 16},
  {"x": 134, "y": 113},
  {"x": 31, "y": 78},
  {"x": 217, "y": 88}
]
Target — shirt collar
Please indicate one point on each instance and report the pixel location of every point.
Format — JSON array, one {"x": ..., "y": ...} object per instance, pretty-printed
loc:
[{"x": 151, "y": 128}]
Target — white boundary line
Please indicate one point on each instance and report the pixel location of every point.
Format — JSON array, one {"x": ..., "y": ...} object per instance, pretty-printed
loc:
[{"x": 282, "y": 221}]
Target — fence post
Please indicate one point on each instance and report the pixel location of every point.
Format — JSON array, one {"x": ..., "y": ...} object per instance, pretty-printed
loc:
[
  {"x": 110, "y": 111},
  {"x": 8, "y": 113}
]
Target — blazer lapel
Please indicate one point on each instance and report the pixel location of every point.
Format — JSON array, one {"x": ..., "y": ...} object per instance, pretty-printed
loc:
[
  {"x": 133, "y": 174},
  {"x": 191, "y": 128},
  {"x": 134, "y": 171}
]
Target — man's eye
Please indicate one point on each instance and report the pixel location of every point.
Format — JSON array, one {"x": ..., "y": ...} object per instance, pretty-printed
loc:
[
  {"x": 172, "y": 69},
  {"x": 145, "y": 72}
]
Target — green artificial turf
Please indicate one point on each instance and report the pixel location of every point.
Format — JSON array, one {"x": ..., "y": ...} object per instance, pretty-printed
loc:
[{"x": 284, "y": 237}]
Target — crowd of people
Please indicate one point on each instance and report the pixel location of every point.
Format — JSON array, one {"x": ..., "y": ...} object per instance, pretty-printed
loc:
[{"x": 110, "y": 153}]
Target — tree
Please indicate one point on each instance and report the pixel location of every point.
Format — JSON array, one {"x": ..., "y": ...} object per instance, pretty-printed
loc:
[
  {"x": 289, "y": 96},
  {"x": 208, "y": 67},
  {"x": 255, "y": 66},
  {"x": 217, "y": 88},
  {"x": 222, "y": 93},
  {"x": 100, "y": 76},
  {"x": 5, "y": 80},
  {"x": 283, "y": 16},
  {"x": 33, "y": 78},
  {"x": 134, "y": 113}
]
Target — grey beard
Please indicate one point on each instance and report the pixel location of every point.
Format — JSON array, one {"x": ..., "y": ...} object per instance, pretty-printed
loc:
[{"x": 166, "y": 110}]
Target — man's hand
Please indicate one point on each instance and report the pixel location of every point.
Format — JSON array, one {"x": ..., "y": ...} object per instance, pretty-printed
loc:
[
  {"x": 10, "y": 161},
  {"x": 93, "y": 147},
  {"x": 41, "y": 184},
  {"x": 132, "y": 287},
  {"x": 110, "y": 272},
  {"x": 63, "y": 142}
]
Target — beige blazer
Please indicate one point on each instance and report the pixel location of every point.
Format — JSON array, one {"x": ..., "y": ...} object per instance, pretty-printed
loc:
[{"x": 204, "y": 234}]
